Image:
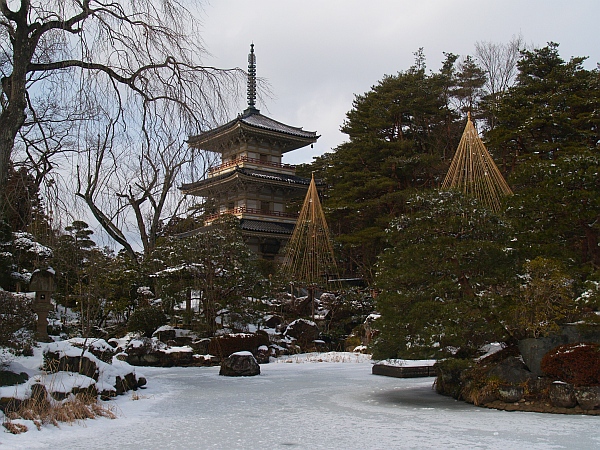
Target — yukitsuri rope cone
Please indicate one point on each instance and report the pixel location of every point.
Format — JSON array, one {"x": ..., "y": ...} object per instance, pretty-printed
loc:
[
  {"x": 474, "y": 172},
  {"x": 309, "y": 253}
]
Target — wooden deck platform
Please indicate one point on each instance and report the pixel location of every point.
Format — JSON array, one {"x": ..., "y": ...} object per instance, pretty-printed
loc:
[{"x": 403, "y": 371}]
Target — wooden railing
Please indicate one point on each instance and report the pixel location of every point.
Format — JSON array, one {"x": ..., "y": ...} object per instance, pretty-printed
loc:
[
  {"x": 242, "y": 159},
  {"x": 245, "y": 210}
]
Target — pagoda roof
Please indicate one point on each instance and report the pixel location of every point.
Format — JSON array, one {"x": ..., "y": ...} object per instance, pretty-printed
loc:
[
  {"x": 252, "y": 122},
  {"x": 260, "y": 226},
  {"x": 241, "y": 172}
]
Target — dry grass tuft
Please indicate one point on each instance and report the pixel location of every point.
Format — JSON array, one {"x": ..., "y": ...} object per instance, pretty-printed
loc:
[
  {"x": 42, "y": 411},
  {"x": 14, "y": 428}
]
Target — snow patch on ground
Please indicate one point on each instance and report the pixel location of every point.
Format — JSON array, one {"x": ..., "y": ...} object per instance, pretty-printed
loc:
[{"x": 306, "y": 405}]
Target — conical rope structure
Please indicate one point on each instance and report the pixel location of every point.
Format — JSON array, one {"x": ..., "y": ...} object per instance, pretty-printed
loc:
[
  {"x": 474, "y": 172},
  {"x": 309, "y": 257}
]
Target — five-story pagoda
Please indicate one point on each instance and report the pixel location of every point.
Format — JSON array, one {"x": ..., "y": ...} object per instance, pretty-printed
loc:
[{"x": 251, "y": 181}]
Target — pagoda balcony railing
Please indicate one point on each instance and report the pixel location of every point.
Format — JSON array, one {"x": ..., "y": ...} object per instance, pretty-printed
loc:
[
  {"x": 243, "y": 159},
  {"x": 253, "y": 211}
]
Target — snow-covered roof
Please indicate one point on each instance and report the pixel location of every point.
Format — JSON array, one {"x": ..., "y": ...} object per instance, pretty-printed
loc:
[{"x": 251, "y": 122}]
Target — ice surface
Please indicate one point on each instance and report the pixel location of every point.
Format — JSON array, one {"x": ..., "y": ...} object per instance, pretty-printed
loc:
[{"x": 305, "y": 404}]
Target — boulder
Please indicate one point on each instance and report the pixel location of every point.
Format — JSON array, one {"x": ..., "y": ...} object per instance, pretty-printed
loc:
[
  {"x": 206, "y": 360},
  {"x": 262, "y": 354},
  {"x": 8, "y": 378},
  {"x": 58, "y": 361},
  {"x": 562, "y": 395},
  {"x": 588, "y": 397},
  {"x": 227, "y": 344},
  {"x": 89, "y": 392},
  {"x": 273, "y": 322},
  {"x": 150, "y": 352},
  {"x": 511, "y": 371},
  {"x": 240, "y": 364},
  {"x": 165, "y": 333},
  {"x": 533, "y": 350},
  {"x": 97, "y": 347},
  {"x": 510, "y": 394},
  {"x": 304, "y": 331},
  {"x": 200, "y": 346},
  {"x": 110, "y": 379}
]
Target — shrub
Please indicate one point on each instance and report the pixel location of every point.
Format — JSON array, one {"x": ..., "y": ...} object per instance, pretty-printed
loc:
[
  {"x": 146, "y": 320},
  {"x": 17, "y": 322},
  {"x": 577, "y": 364},
  {"x": 449, "y": 372}
]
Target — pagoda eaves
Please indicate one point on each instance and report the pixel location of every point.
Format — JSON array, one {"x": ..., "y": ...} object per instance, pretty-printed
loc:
[
  {"x": 271, "y": 178},
  {"x": 252, "y": 124}
]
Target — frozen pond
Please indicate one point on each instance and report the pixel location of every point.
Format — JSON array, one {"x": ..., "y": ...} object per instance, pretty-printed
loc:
[{"x": 306, "y": 405}]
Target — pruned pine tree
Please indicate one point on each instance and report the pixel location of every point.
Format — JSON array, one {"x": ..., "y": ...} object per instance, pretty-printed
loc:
[
  {"x": 474, "y": 172},
  {"x": 551, "y": 110},
  {"x": 81, "y": 269},
  {"x": 545, "y": 299},
  {"x": 445, "y": 279},
  {"x": 216, "y": 263},
  {"x": 556, "y": 210},
  {"x": 399, "y": 134}
]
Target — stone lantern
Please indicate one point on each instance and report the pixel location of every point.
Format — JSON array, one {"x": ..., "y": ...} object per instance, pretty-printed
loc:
[{"x": 42, "y": 283}]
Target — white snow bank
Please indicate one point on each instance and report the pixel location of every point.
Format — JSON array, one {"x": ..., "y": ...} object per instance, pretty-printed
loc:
[
  {"x": 327, "y": 357},
  {"x": 62, "y": 382},
  {"x": 107, "y": 373}
]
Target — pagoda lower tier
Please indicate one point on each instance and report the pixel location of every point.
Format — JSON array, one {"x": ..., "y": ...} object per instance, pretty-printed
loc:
[{"x": 260, "y": 199}]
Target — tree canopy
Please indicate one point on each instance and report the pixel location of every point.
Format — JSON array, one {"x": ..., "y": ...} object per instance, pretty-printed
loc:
[
  {"x": 77, "y": 72},
  {"x": 400, "y": 133}
]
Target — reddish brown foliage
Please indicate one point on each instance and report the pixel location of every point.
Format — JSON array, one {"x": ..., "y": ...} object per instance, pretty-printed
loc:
[{"x": 577, "y": 364}]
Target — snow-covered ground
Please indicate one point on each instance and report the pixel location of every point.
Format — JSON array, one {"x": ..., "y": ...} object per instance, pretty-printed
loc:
[{"x": 303, "y": 403}]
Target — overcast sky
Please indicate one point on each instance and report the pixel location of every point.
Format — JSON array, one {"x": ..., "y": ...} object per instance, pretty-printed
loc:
[{"x": 317, "y": 54}]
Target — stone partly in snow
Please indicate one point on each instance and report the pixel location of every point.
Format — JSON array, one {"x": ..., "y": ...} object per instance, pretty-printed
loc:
[
  {"x": 304, "y": 331},
  {"x": 110, "y": 379},
  {"x": 151, "y": 352},
  {"x": 240, "y": 364}
]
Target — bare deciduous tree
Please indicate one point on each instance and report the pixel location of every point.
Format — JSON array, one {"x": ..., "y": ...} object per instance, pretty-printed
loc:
[
  {"x": 499, "y": 62},
  {"x": 128, "y": 186},
  {"x": 128, "y": 60}
]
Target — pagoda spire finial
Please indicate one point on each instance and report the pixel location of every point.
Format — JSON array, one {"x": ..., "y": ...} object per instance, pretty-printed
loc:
[{"x": 251, "y": 79}]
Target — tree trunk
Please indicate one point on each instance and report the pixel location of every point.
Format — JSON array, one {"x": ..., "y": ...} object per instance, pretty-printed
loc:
[{"x": 15, "y": 99}]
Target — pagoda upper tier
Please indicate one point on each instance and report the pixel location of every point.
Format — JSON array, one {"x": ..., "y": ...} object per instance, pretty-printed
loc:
[{"x": 251, "y": 125}]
